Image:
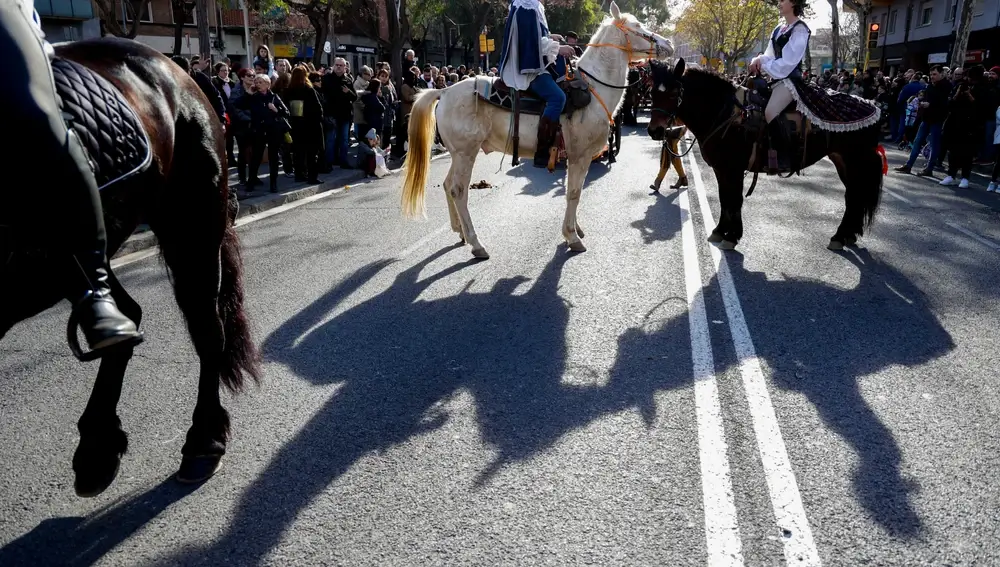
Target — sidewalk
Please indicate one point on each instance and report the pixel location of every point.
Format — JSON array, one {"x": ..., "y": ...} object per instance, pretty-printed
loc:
[
  {"x": 262, "y": 199},
  {"x": 978, "y": 181}
]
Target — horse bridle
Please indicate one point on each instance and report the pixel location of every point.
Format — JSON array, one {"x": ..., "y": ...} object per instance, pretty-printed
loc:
[
  {"x": 678, "y": 94},
  {"x": 653, "y": 51}
]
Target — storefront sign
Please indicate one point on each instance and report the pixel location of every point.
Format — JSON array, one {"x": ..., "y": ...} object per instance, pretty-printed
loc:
[
  {"x": 975, "y": 56},
  {"x": 285, "y": 51},
  {"x": 937, "y": 57},
  {"x": 342, "y": 47}
]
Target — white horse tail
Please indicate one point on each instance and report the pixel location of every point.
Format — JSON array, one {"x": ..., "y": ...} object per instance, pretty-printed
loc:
[{"x": 418, "y": 157}]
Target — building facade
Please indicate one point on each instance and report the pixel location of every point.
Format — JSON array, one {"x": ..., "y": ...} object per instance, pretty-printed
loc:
[
  {"x": 920, "y": 33},
  {"x": 68, "y": 20}
]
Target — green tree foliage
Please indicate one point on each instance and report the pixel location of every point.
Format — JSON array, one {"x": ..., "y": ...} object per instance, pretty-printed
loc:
[{"x": 581, "y": 16}]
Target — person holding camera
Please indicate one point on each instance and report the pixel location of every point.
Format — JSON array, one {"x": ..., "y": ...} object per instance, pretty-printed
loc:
[{"x": 963, "y": 129}]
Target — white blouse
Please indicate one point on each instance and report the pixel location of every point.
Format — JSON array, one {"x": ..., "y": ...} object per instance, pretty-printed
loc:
[{"x": 791, "y": 55}]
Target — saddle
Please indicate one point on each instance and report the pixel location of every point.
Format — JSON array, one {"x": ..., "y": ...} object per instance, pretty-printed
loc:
[
  {"x": 499, "y": 94},
  {"x": 105, "y": 123},
  {"x": 752, "y": 99}
]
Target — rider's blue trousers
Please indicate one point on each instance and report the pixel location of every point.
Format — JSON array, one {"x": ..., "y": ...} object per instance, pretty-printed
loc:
[{"x": 545, "y": 87}]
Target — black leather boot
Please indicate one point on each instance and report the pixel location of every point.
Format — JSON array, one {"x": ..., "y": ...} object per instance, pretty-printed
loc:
[
  {"x": 94, "y": 310},
  {"x": 779, "y": 142},
  {"x": 547, "y": 130}
]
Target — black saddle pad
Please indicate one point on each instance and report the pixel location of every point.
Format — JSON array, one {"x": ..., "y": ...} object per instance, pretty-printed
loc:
[
  {"x": 111, "y": 132},
  {"x": 499, "y": 94}
]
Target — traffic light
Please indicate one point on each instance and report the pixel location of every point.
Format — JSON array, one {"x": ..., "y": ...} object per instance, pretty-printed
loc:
[{"x": 873, "y": 35}]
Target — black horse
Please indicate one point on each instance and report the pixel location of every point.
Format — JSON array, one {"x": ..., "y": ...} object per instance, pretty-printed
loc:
[
  {"x": 708, "y": 105},
  {"x": 184, "y": 197}
]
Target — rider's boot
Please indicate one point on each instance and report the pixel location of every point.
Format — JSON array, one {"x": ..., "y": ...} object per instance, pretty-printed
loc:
[
  {"x": 103, "y": 325},
  {"x": 779, "y": 159},
  {"x": 547, "y": 130}
]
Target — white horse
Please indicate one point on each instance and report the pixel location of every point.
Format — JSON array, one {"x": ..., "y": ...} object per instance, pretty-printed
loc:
[{"x": 468, "y": 124}]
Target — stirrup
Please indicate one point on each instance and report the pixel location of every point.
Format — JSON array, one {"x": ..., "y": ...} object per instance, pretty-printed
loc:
[{"x": 73, "y": 338}]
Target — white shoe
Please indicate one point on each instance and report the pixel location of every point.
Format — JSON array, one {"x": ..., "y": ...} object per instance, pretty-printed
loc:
[
  {"x": 963, "y": 184},
  {"x": 949, "y": 180},
  {"x": 993, "y": 187}
]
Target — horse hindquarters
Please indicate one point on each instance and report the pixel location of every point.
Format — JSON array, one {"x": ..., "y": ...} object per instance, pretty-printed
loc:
[{"x": 861, "y": 172}]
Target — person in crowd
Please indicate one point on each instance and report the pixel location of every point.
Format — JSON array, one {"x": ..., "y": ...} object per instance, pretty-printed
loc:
[
  {"x": 264, "y": 61},
  {"x": 361, "y": 87},
  {"x": 239, "y": 120},
  {"x": 306, "y": 116},
  {"x": 338, "y": 90},
  {"x": 224, "y": 84},
  {"x": 268, "y": 117}
]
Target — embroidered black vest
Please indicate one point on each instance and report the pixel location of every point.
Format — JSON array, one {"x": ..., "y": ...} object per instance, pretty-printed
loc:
[{"x": 778, "y": 42}]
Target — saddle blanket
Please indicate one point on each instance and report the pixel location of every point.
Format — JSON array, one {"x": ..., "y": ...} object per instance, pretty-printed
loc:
[
  {"x": 832, "y": 110},
  {"x": 107, "y": 126},
  {"x": 505, "y": 99}
]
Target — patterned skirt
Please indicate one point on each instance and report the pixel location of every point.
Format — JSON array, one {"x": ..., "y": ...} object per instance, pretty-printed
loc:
[{"x": 832, "y": 110}]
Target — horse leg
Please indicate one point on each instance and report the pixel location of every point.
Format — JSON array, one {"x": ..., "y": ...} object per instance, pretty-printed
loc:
[
  {"x": 456, "y": 222},
  {"x": 197, "y": 280},
  {"x": 102, "y": 440},
  {"x": 577, "y": 172},
  {"x": 863, "y": 183},
  {"x": 461, "y": 165},
  {"x": 728, "y": 232}
]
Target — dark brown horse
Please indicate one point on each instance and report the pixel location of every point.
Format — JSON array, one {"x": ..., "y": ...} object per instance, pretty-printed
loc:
[
  {"x": 184, "y": 197},
  {"x": 708, "y": 105}
]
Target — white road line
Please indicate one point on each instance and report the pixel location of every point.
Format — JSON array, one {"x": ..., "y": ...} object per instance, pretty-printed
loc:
[
  {"x": 722, "y": 531},
  {"x": 897, "y": 195},
  {"x": 786, "y": 502},
  {"x": 973, "y": 235},
  {"x": 150, "y": 252}
]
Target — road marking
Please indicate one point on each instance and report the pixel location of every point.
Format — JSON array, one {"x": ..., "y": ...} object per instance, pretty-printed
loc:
[
  {"x": 973, "y": 235},
  {"x": 722, "y": 532},
  {"x": 150, "y": 252},
  {"x": 786, "y": 502},
  {"x": 897, "y": 195}
]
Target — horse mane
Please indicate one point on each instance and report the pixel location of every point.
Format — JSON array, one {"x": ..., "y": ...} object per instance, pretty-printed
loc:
[{"x": 706, "y": 81}]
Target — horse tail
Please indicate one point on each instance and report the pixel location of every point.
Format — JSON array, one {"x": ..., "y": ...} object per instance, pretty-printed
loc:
[
  {"x": 239, "y": 355},
  {"x": 418, "y": 157},
  {"x": 874, "y": 168}
]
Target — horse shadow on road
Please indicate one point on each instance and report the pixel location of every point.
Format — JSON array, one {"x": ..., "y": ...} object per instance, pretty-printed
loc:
[
  {"x": 541, "y": 182},
  {"x": 78, "y": 541},
  {"x": 824, "y": 339},
  {"x": 398, "y": 357}
]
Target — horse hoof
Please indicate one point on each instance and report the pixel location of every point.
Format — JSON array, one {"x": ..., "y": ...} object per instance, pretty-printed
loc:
[
  {"x": 577, "y": 246},
  {"x": 91, "y": 484},
  {"x": 481, "y": 253},
  {"x": 198, "y": 469},
  {"x": 835, "y": 245},
  {"x": 462, "y": 242},
  {"x": 715, "y": 238},
  {"x": 727, "y": 245}
]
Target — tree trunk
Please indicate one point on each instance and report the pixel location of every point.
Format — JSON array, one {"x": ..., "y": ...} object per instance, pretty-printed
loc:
[
  {"x": 834, "y": 33},
  {"x": 964, "y": 22},
  {"x": 204, "y": 37},
  {"x": 181, "y": 9},
  {"x": 864, "y": 18},
  {"x": 321, "y": 23}
]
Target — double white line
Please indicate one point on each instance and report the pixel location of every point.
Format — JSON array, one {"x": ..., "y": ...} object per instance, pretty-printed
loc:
[{"x": 721, "y": 525}]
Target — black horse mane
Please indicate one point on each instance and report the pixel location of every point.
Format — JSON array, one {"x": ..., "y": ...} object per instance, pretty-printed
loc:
[{"x": 706, "y": 90}]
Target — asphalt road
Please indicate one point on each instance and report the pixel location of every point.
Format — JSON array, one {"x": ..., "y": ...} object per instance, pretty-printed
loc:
[{"x": 649, "y": 402}]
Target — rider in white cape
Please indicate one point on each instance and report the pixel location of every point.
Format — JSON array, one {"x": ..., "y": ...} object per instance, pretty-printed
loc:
[{"x": 469, "y": 124}]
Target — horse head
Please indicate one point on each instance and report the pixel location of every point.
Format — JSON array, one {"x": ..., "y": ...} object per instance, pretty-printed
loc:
[
  {"x": 667, "y": 93},
  {"x": 636, "y": 39}
]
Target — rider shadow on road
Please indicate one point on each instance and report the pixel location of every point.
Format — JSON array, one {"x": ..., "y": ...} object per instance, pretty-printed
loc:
[
  {"x": 541, "y": 182},
  {"x": 662, "y": 221},
  {"x": 84, "y": 541},
  {"x": 824, "y": 339},
  {"x": 398, "y": 358}
]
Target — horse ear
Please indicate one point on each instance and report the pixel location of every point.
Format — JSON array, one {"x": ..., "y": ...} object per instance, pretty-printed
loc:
[
  {"x": 679, "y": 69},
  {"x": 615, "y": 12}
]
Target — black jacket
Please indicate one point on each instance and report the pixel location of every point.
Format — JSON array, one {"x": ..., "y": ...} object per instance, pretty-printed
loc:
[
  {"x": 305, "y": 114},
  {"x": 937, "y": 95},
  {"x": 214, "y": 98},
  {"x": 262, "y": 118},
  {"x": 339, "y": 104}
]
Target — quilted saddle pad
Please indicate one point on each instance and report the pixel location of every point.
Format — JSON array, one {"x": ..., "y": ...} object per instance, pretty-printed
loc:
[
  {"x": 502, "y": 97},
  {"x": 111, "y": 132}
]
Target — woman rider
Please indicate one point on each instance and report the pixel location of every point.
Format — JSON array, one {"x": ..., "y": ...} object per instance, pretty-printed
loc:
[
  {"x": 46, "y": 148},
  {"x": 528, "y": 49},
  {"x": 782, "y": 61}
]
